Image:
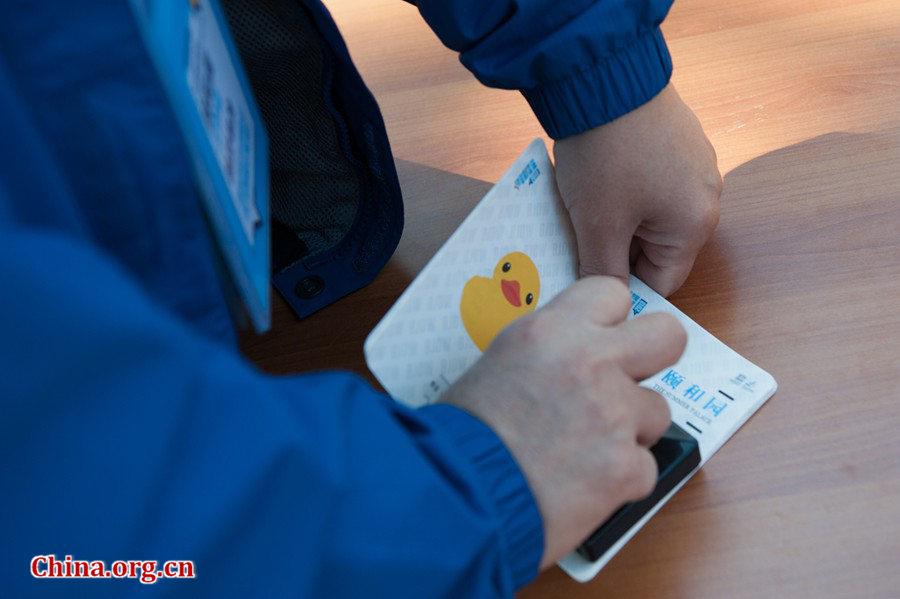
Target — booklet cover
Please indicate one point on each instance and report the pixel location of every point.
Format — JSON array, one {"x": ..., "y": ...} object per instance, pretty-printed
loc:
[{"x": 512, "y": 254}]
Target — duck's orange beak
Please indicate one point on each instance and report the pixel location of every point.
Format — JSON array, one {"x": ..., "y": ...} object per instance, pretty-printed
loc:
[{"x": 511, "y": 292}]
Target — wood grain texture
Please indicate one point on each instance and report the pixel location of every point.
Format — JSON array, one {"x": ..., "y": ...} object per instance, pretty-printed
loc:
[{"x": 802, "y": 102}]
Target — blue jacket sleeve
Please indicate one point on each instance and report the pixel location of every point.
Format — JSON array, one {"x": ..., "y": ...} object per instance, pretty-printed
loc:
[
  {"x": 124, "y": 435},
  {"x": 579, "y": 63}
]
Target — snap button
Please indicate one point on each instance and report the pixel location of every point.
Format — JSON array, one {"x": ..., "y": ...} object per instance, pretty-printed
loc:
[{"x": 309, "y": 287}]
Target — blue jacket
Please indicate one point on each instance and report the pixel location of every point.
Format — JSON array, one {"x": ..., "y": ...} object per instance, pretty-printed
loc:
[{"x": 131, "y": 428}]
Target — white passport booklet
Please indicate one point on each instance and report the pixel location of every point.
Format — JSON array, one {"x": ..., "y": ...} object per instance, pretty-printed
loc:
[{"x": 467, "y": 292}]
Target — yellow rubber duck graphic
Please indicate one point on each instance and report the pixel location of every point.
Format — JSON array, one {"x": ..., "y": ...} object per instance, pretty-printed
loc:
[{"x": 488, "y": 305}]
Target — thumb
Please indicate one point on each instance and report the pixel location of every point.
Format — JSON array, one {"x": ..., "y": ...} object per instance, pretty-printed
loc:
[
  {"x": 665, "y": 275},
  {"x": 604, "y": 248}
]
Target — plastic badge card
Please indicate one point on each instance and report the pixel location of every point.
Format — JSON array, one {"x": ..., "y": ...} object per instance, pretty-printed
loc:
[
  {"x": 511, "y": 255},
  {"x": 198, "y": 65}
]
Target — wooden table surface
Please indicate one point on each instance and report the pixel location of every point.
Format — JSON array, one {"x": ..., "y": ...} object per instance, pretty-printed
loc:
[{"x": 802, "y": 102}]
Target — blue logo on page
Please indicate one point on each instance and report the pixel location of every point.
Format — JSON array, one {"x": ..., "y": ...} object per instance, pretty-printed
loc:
[
  {"x": 637, "y": 303},
  {"x": 528, "y": 175}
]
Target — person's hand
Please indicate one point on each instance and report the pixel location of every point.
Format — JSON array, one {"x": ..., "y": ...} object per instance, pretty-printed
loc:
[
  {"x": 558, "y": 386},
  {"x": 642, "y": 191}
]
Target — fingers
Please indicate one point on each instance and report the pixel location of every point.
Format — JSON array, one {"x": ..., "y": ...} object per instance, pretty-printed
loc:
[
  {"x": 650, "y": 343},
  {"x": 664, "y": 279},
  {"x": 604, "y": 300},
  {"x": 653, "y": 416},
  {"x": 634, "y": 251},
  {"x": 644, "y": 345},
  {"x": 666, "y": 267},
  {"x": 644, "y": 474},
  {"x": 665, "y": 264},
  {"x": 634, "y": 473},
  {"x": 640, "y": 471}
]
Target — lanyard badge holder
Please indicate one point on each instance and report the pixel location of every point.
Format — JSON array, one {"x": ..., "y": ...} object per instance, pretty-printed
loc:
[{"x": 193, "y": 52}]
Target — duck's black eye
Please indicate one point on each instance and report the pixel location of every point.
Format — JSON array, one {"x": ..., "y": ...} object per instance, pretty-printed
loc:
[
  {"x": 529, "y": 298},
  {"x": 506, "y": 266}
]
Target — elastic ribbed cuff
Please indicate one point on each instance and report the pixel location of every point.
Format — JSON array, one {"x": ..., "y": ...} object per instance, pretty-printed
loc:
[
  {"x": 522, "y": 533},
  {"x": 605, "y": 90}
]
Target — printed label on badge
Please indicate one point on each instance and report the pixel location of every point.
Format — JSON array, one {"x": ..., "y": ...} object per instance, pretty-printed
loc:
[
  {"x": 200, "y": 70},
  {"x": 220, "y": 101}
]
